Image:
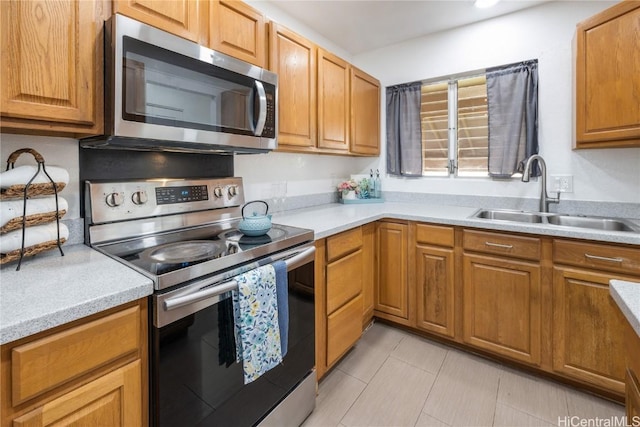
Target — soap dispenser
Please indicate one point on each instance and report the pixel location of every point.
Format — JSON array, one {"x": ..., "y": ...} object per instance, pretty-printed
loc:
[{"x": 377, "y": 186}]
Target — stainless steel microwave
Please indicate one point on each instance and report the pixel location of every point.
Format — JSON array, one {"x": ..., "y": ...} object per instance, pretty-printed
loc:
[{"x": 163, "y": 92}]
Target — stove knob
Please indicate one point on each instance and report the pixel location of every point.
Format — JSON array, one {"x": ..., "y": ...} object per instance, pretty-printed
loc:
[
  {"x": 233, "y": 190},
  {"x": 114, "y": 199},
  {"x": 217, "y": 192},
  {"x": 139, "y": 197}
]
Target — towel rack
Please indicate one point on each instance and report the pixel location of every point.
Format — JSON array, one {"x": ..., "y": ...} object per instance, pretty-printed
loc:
[{"x": 221, "y": 287}]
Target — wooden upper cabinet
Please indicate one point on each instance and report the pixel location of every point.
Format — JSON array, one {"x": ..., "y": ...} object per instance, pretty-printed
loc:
[
  {"x": 365, "y": 113},
  {"x": 293, "y": 58},
  {"x": 607, "y": 78},
  {"x": 333, "y": 102},
  {"x": 238, "y": 30},
  {"x": 184, "y": 18},
  {"x": 52, "y": 60}
]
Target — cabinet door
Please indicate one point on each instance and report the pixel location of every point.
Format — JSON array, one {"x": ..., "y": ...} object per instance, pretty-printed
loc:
[
  {"x": 501, "y": 306},
  {"x": 112, "y": 400},
  {"x": 369, "y": 269},
  {"x": 632, "y": 398},
  {"x": 179, "y": 17},
  {"x": 333, "y": 102},
  {"x": 588, "y": 337},
  {"x": 51, "y": 66},
  {"x": 365, "y": 113},
  {"x": 293, "y": 58},
  {"x": 607, "y": 83},
  {"x": 238, "y": 30},
  {"x": 434, "y": 289},
  {"x": 391, "y": 291}
]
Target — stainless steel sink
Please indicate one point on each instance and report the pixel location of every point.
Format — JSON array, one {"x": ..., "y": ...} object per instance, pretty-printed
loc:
[
  {"x": 598, "y": 223},
  {"x": 506, "y": 215},
  {"x": 575, "y": 221}
]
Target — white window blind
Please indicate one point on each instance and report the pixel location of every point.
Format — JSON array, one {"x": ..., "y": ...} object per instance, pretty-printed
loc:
[{"x": 454, "y": 127}]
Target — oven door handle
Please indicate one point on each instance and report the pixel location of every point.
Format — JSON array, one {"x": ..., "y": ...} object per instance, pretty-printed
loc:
[{"x": 224, "y": 287}]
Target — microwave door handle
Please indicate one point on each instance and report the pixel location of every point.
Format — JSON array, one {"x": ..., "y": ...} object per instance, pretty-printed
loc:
[{"x": 262, "y": 113}]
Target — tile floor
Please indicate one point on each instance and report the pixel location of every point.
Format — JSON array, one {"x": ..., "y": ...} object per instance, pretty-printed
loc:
[{"x": 394, "y": 378}]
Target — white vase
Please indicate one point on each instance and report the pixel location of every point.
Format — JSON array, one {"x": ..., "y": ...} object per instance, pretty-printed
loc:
[{"x": 349, "y": 195}]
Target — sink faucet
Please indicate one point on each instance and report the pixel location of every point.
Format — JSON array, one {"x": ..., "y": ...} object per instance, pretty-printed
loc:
[{"x": 545, "y": 200}]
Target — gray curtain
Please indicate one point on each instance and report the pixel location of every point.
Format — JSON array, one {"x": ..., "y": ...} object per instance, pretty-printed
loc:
[
  {"x": 404, "y": 133},
  {"x": 512, "y": 98}
]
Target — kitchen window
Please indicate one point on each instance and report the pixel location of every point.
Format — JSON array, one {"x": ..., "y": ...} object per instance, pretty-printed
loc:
[
  {"x": 480, "y": 124},
  {"x": 454, "y": 124}
]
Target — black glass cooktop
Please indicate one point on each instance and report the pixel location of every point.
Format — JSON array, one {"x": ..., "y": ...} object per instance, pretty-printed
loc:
[{"x": 200, "y": 251}]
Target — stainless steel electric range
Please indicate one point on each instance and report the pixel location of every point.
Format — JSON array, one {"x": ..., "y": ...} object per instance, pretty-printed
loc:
[{"x": 183, "y": 235}]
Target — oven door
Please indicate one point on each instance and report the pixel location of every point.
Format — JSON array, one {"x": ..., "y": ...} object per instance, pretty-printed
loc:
[{"x": 193, "y": 378}]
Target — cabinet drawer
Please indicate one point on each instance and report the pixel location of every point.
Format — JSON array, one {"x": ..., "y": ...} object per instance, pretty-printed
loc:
[
  {"x": 434, "y": 234},
  {"x": 51, "y": 361},
  {"x": 344, "y": 243},
  {"x": 344, "y": 328},
  {"x": 599, "y": 257},
  {"x": 344, "y": 280},
  {"x": 502, "y": 244}
]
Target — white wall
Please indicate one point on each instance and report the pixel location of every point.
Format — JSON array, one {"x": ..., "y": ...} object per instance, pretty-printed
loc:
[
  {"x": 61, "y": 152},
  {"x": 304, "y": 173},
  {"x": 544, "y": 32}
]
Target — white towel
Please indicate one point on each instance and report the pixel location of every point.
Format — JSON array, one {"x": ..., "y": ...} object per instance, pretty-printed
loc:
[
  {"x": 22, "y": 174},
  {"x": 10, "y": 209},
  {"x": 33, "y": 236}
]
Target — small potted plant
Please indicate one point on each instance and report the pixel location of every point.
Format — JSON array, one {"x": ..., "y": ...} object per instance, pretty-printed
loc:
[{"x": 348, "y": 189}]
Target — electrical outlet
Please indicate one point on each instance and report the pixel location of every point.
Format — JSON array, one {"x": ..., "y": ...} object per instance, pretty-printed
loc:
[{"x": 561, "y": 184}]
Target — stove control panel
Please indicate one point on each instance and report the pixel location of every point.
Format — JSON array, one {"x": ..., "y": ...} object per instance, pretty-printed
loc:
[{"x": 125, "y": 200}]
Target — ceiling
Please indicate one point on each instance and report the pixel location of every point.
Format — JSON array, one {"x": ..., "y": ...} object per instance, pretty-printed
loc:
[{"x": 363, "y": 25}]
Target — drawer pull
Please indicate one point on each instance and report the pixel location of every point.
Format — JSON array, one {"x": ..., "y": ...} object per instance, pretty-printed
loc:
[
  {"x": 602, "y": 258},
  {"x": 498, "y": 245}
]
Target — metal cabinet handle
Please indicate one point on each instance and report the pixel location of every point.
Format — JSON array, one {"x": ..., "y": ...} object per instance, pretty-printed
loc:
[
  {"x": 498, "y": 245},
  {"x": 602, "y": 258}
]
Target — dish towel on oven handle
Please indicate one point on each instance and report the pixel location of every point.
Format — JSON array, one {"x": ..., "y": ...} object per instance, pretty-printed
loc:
[
  {"x": 282, "y": 285},
  {"x": 257, "y": 332}
]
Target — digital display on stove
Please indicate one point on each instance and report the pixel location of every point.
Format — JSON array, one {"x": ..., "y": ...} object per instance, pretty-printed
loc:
[{"x": 190, "y": 193}]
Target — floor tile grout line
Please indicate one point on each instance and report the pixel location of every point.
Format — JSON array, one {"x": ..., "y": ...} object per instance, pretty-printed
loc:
[{"x": 354, "y": 400}]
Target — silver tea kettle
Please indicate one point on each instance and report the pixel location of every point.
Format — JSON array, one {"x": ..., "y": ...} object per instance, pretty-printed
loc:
[{"x": 255, "y": 225}]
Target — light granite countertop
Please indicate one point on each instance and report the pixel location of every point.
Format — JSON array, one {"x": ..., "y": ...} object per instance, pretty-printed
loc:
[
  {"x": 50, "y": 290},
  {"x": 333, "y": 218},
  {"x": 627, "y": 296}
]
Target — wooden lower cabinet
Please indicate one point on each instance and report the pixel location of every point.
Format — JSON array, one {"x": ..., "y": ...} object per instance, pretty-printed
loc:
[
  {"x": 343, "y": 329},
  {"x": 90, "y": 372},
  {"x": 369, "y": 271},
  {"x": 501, "y": 306},
  {"x": 340, "y": 272},
  {"x": 391, "y": 299},
  {"x": 588, "y": 338},
  {"x": 434, "y": 277},
  {"x": 632, "y": 380},
  {"x": 111, "y": 400}
]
